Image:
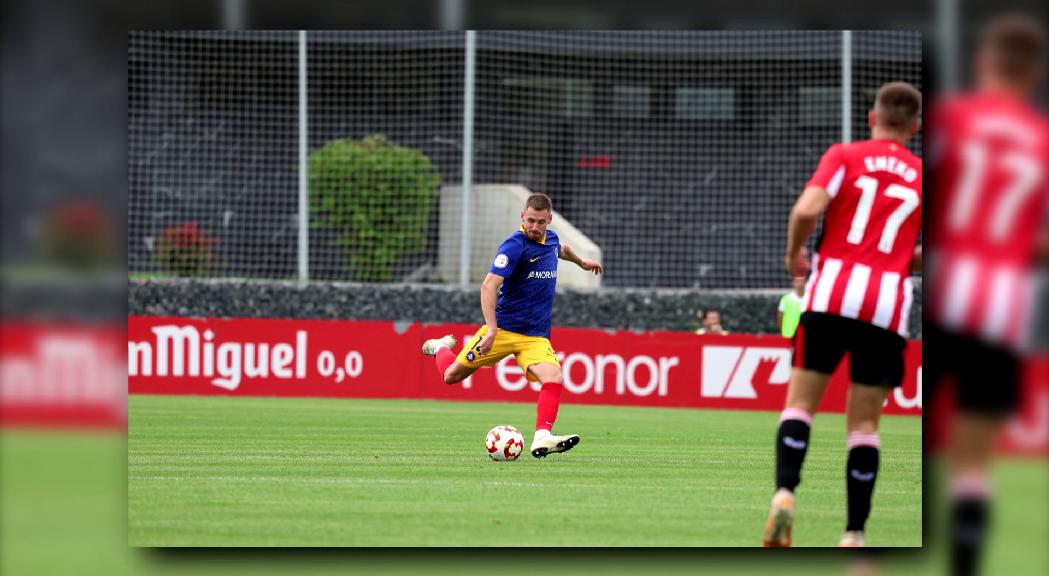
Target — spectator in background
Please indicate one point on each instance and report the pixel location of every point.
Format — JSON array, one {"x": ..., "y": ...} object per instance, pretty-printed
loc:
[
  {"x": 789, "y": 312},
  {"x": 710, "y": 319}
]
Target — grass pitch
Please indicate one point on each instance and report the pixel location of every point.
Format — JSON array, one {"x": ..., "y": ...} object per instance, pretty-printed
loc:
[{"x": 214, "y": 471}]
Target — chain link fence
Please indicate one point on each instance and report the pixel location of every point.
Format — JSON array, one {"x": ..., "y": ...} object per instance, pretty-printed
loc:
[{"x": 678, "y": 153}]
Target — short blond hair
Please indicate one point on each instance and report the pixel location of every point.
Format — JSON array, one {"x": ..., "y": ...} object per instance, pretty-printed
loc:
[{"x": 539, "y": 202}]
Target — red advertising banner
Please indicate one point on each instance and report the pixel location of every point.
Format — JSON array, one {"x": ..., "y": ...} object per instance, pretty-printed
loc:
[
  {"x": 62, "y": 375},
  {"x": 261, "y": 357},
  {"x": 345, "y": 359}
]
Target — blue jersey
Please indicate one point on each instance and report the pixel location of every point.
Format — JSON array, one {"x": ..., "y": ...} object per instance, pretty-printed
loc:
[{"x": 529, "y": 271}]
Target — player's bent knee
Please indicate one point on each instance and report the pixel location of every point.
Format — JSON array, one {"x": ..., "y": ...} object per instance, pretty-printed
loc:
[
  {"x": 554, "y": 377},
  {"x": 547, "y": 373},
  {"x": 456, "y": 373},
  {"x": 550, "y": 379}
]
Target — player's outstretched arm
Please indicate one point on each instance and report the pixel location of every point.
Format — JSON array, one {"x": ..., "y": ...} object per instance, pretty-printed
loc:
[
  {"x": 803, "y": 219},
  {"x": 566, "y": 253},
  {"x": 489, "y": 298}
]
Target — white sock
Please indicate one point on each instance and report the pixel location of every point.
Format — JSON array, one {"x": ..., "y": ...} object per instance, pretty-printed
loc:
[{"x": 539, "y": 435}]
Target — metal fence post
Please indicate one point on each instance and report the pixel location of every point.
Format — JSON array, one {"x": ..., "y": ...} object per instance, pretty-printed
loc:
[
  {"x": 846, "y": 86},
  {"x": 468, "y": 151},
  {"x": 304, "y": 216},
  {"x": 947, "y": 42}
]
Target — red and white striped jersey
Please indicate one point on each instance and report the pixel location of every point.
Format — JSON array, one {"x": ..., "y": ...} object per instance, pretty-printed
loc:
[
  {"x": 991, "y": 153},
  {"x": 861, "y": 268}
]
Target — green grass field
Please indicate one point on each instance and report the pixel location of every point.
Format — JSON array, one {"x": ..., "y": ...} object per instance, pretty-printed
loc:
[
  {"x": 321, "y": 472},
  {"x": 63, "y": 511}
]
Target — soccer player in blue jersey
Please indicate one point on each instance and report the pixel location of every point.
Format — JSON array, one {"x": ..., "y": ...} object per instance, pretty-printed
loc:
[{"x": 517, "y": 298}]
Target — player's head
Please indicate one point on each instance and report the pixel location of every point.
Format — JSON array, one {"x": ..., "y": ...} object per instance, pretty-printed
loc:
[
  {"x": 537, "y": 214},
  {"x": 1012, "y": 54},
  {"x": 798, "y": 283},
  {"x": 896, "y": 110},
  {"x": 711, "y": 317}
]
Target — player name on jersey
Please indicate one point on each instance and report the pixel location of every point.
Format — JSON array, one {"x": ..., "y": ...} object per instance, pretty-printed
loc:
[{"x": 892, "y": 165}]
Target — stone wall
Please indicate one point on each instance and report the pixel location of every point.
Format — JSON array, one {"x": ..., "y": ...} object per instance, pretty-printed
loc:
[{"x": 741, "y": 312}]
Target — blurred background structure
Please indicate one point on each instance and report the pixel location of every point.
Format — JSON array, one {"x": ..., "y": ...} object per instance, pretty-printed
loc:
[
  {"x": 66, "y": 114},
  {"x": 678, "y": 153}
]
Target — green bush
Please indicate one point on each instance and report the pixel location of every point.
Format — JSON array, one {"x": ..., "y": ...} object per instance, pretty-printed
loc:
[{"x": 377, "y": 196}]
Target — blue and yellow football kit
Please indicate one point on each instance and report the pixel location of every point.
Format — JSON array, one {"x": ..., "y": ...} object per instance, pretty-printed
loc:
[{"x": 526, "y": 302}]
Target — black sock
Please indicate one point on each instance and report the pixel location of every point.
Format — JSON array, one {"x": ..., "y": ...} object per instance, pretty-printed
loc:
[
  {"x": 861, "y": 471},
  {"x": 792, "y": 441},
  {"x": 968, "y": 529}
]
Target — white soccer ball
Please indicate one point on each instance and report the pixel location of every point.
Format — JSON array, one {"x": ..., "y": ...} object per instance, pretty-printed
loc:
[{"x": 504, "y": 442}]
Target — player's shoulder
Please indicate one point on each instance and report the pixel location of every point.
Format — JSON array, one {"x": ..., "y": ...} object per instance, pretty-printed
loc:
[
  {"x": 961, "y": 106},
  {"x": 1025, "y": 123},
  {"x": 835, "y": 148},
  {"x": 860, "y": 147},
  {"x": 852, "y": 152},
  {"x": 990, "y": 110},
  {"x": 516, "y": 240},
  {"x": 864, "y": 148},
  {"x": 857, "y": 149},
  {"x": 910, "y": 157},
  {"x": 551, "y": 236}
]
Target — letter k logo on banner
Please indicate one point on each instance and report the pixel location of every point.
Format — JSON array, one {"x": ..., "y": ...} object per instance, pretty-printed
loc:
[{"x": 734, "y": 371}]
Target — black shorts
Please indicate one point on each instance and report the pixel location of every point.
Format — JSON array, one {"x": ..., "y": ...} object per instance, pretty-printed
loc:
[
  {"x": 986, "y": 377},
  {"x": 875, "y": 354}
]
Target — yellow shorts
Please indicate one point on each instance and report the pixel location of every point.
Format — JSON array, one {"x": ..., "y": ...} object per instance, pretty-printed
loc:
[{"x": 527, "y": 350}]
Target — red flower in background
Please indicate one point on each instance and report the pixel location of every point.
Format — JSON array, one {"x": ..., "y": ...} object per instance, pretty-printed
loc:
[
  {"x": 187, "y": 236},
  {"x": 184, "y": 249},
  {"x": 79, "y": 234}
]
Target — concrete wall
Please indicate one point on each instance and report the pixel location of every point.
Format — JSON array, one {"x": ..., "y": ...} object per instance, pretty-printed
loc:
[{"x": 495, "y": 215}]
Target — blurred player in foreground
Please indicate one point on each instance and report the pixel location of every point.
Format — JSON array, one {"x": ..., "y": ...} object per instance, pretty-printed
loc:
[
  {"x": 857, "y": 300},
  {"x": 517, "y": 299},
  {"x": 990, "y": 150}
]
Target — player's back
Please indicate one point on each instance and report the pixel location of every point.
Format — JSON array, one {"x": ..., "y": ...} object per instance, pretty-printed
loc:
[
  {"x": 992, "y": 191},
  {"x": 862, "y": 265}
]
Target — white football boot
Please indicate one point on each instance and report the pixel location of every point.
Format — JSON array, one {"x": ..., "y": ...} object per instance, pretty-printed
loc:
[
  {"x": 430, "y": 346},
  {"x": 551, "y": 444},
  {"x": 780, "y": 525},
  {"x": 852, "y": 539}
]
